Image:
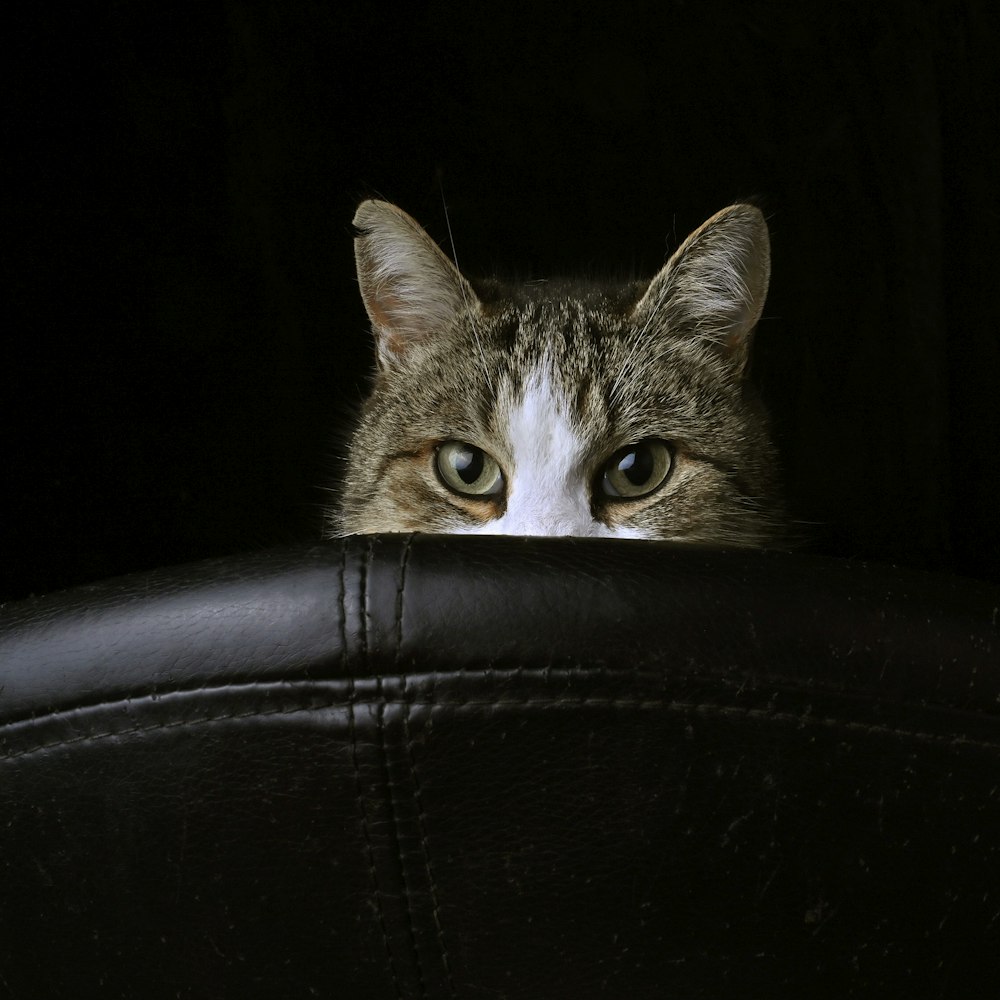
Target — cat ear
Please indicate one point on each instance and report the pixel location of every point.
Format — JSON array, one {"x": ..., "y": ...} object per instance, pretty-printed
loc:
[
  {"x": 713, "y": 288},
  {"x": 411, "y": 290}
]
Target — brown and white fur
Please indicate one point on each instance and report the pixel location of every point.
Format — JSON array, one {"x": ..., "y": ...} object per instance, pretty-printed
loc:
[{"x": 553, "y": 384}]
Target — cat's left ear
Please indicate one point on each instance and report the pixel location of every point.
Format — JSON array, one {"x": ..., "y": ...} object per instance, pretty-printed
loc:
[
  {"x": 411, "y": 290},
  {"x": 713, "y": 288}
]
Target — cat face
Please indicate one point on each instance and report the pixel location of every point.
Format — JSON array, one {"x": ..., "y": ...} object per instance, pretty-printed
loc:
[{"x": 562, "y": 410}]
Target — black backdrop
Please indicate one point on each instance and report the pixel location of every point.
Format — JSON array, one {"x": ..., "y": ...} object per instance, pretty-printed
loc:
[{"x": 183, "y": 341}]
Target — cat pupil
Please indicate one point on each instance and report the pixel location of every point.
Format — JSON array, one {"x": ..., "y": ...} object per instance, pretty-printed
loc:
[
  {"x": 637, "y": 469},
  {"x": 468, "y": 463},
  {"x": 637, "y": 466},
  {"x": 468, "y": 470}
]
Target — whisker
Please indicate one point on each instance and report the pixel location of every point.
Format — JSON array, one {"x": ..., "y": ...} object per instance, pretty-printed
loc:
[{"x": 465, "y": 296}]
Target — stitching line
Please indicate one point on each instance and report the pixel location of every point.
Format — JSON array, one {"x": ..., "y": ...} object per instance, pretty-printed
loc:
[
  {"x": 486, "y": 672},
  {"x": 359, "y": 786},
  {"x": 400, "y": 597},
  {"x": 391, "y": 785},
  {"x": 395, "y": 826},
  {"x": 706, "y": 708},
  {"x": 417, "y": 790},
  {"x": 342, "y": 601},
  {"x": 363, "y": 602},
  {"x": 370, "y": 850},
  {"x": 425, "y": 850}
]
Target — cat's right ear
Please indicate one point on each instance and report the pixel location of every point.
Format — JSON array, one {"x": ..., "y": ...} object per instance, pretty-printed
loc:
[{"x": 411, "y": 290}]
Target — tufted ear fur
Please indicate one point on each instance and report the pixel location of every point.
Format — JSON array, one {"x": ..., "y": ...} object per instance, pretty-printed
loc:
[
  {"x": 713, "y": 288},
  {"x": 411, "y": 290}
]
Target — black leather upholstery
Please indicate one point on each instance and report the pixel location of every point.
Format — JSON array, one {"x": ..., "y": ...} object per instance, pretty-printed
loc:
[{"x": 487, "y": 768}]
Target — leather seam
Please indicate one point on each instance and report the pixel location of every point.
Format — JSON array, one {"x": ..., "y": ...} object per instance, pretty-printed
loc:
[
  {"x": 407, "y": 895},
  {"x": 370, "y": 849},
  {"x": 489, "y": 673},
  {"x": 363, "y": 602},
  {"x": 401, "y": 597},
  {"x": 418, "y": 802},
  {"x": 406, "y": 898},
  {"x": 359, "y": 786},
  {"x": 673, "y": 705},
  {"x": 342, "y": 602}
]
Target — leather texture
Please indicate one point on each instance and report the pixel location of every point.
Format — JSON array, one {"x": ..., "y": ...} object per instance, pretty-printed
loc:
[{"x": 431, "y": 767}]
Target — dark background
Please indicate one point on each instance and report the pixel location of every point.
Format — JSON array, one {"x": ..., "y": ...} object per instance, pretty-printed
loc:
[{"x": 183, "y": 342}]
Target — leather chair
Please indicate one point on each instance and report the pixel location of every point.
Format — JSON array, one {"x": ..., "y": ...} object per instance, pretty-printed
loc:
[{"x": 438, "y": 767}]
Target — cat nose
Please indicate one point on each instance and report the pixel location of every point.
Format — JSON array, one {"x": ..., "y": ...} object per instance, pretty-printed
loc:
[
  {"x": 575, "y": 527},
  {"x": 554, "y": 523},
  {"x": 549, "y": 508}
]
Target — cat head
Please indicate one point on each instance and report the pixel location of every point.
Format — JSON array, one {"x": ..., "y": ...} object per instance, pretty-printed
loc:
[{"x": 558, "y": 409}]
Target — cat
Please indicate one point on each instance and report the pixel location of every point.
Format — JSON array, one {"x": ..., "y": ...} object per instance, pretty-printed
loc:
[{"x": 559, "y": 408}]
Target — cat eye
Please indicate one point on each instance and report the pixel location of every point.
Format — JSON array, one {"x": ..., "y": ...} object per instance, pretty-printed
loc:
[
  {"x": 636, "y": 470},
  {"x": 469, "y": 470}
]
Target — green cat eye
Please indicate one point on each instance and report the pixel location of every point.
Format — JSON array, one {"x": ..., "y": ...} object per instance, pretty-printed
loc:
[
  {"x": 636, "y": 470},
  {"x": 469, "y": 470}
]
